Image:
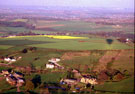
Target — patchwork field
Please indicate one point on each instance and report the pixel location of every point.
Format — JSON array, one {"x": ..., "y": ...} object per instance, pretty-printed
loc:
[
  {"x": 86, "y": 53},
  {"x": 81, "y": 26}
]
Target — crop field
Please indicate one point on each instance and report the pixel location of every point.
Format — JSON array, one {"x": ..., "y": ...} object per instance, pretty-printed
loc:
[
  {"x": 81, "y": 26},
  {"x": 19, "y": 20},
  {"x": 63, "y": 42},
  {"x": 20, "y": 42},
  {"x": 12, "y": 30}
]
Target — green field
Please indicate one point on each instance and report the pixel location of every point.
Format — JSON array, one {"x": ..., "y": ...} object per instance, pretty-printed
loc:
[
  {"x": 94, "y": 43},
  {"x": 126, "y": 85}
]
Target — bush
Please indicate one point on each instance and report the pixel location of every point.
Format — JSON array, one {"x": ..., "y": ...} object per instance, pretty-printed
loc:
[
  {"x": 29, "y": 85},
  {"x": 24, "y": 51}
]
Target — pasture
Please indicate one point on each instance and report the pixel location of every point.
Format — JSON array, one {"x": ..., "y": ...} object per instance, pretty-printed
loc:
[
  {"x": 124, "y": 86},
  {"x": 64, "y": 42}
]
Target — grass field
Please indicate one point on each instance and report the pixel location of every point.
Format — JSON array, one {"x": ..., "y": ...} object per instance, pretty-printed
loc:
[
  {"x": 21, "y": 42},
  {"x": 126, "y": 85},
  {"x": 94, "y": 43},
  {"x": 49, "y": 77},
  {"x": 124, "y": 61}
]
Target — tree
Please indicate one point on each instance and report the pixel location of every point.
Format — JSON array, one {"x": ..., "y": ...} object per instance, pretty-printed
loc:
[
  {"x": 109, "y": 41},
  {"x": 44, "y": 91},
  {"x": 29, "y": 85},
  {"x": 118, "y": 77},
  {"x": 24, "y": 51}
]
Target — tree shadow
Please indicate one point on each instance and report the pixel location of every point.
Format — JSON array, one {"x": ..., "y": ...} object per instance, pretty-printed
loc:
[{"x": 36, "y": 80}]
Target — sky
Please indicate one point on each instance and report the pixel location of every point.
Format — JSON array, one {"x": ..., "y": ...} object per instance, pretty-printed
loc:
[{"x": 76, "y": 3}]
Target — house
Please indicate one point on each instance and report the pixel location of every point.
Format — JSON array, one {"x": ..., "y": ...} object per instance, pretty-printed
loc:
[
  {"x": 124, "y": 40},
  {"x": 8, "y": 59},
  {"x": 11, "y": 80},
  {"x": 18, "y": 75},
  {"x": 87, "y": 80},
  {"x": 50, "y": 66},
  {"x": 20, "y": 82},
  {"x": 68, "y": 81},
  {"x": 5, "y": 72},
  {"x": 53, "y": 64},
  {"x": 77, "y": 74},
  {"x": 54, "y": 60}
]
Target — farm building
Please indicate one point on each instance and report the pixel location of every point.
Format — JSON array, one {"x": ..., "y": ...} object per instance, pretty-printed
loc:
[
  {"x": 68, "y": 81},
  {"x": 5, "y": 72},
  {"x": 87, "y": 80},
  {"x": 9, "y": 59},
  {"x": 53, "y": 64},
  {"x": 50, "y": 66},
  {"x": 11, "y": 80},
  {"x": 18, "y": 75}
]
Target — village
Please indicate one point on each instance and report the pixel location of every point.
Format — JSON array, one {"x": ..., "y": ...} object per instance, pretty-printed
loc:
[
  {"x": 17, "y": 78},
  {"x": 75, "y": 81}
]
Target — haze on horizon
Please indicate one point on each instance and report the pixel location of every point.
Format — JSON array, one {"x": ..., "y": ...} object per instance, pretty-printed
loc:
[{"x": 128, "y": 4}]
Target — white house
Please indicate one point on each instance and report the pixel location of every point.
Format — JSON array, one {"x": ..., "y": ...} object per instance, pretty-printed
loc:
[
  {"x": 54, "y": 60},
  {"x": 9, "y": 59},
  {"x": 50, "y": 66}
]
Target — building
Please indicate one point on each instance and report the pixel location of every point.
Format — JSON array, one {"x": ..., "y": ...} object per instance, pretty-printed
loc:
[
  {"x": 5, "y": 72},
  {"x": 11, "y": 80},
  {"x": 87, "y": 80},
  {"x": 9, "y": 59},
  {"x": 20, "y": 82},
  {"x": 18, "y": 75},
  {"x": 53, "y": 64},
  {"x": 50, "y": 66},
  {"x": 68, "y": 81},
  {"x": 54, "y": 60}
]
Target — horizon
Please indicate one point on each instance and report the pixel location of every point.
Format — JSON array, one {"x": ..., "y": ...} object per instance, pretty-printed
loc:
[{"x": 122, "y": 4}]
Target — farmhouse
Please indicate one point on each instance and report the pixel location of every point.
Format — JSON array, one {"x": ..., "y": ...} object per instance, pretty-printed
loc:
[
  {"x": 54, "y": 60},
  {"x": 11, "y": 80},
  {"x": 68, "y": 81},
  {"x": 9, "y": 59},
  {"x": 124, "y": 40},
  {"x": 5, "y": 72},
  {"x": 20, "y": 82},
  {"x": 14, "y": 79},
  {"x": 53, "y": 64},
  {"x": 18, "y": 75},
  {"x": 87, "y": 80},
  {"x": 50, "y": 66}
]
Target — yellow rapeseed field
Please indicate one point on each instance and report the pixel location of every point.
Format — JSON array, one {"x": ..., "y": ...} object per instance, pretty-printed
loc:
[
  {"x": 50, "y": 36},
  {"x": 64, "y": 37}
]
